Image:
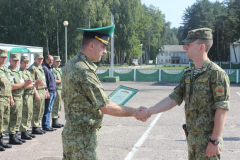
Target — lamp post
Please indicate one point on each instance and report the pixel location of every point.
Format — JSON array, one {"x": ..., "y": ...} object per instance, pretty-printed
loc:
[
  {"x": 65, "y": 23},
  {"x": 141, "y": 54}
]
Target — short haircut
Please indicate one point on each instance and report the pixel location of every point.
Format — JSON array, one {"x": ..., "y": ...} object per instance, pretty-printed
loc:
[
  {"x": 86, "y": 41},
  {"x": 208, "y": 43}
]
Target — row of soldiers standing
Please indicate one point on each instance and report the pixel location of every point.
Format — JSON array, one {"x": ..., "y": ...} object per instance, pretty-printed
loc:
[{"x": 22, "y": 97}]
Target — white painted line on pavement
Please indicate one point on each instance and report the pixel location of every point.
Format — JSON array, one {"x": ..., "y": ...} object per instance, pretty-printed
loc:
[
  {"x": 238, "y": 93},
  {"x": 142, "y": 139}
]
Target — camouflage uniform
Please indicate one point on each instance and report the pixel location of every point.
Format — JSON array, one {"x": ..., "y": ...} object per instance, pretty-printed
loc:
[
  {"x": 5, "y": 93},
  {"x": 83, "y": 95},
  {"x": 16, "y": 110},
  {"x": 38, "y": 105},
  {"x": 58, "y": 99},
  {"x": 27, "y": 110},
  {"x": 203, "y": 94}
]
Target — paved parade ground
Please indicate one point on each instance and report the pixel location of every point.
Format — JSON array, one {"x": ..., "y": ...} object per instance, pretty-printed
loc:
[{"x": 160, "y": 138}]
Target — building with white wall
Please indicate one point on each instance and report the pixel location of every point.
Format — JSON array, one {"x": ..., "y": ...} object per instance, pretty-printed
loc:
[
  {"x": 172, "y": 54},
  {"x": 235, "y": 51}
]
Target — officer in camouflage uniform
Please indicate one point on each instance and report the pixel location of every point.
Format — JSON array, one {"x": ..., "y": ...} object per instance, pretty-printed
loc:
[
  {"x": 58, "y": 99},
  {"x": 38, "y": 104},
  {"x": 18, "y": 84},
  {"x": 205, "y": 91},
  {"x": 29, "y": 91},
  {"x": 5, "y": 94},
  {"x": 84, "y": 99}
]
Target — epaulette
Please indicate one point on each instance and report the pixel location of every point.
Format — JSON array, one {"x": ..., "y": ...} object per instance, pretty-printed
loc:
[{"x": 189, "y": 69}]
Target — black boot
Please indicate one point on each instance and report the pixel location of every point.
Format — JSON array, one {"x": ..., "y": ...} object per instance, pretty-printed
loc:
[
  {"x": 31, "y": 135},
  {"x": 35, "y": 130},
  {"x": 2, "y": 148},
  {"x": 55, "y": 124},
  {"x": 14, "y": 140},
  {"x": 4, "y": 144},
  {"x": 22, "y": 140},
  {"x": 24, "y": 135}
]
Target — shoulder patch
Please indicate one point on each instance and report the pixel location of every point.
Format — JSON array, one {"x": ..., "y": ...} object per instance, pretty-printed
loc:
[{"x": 219, "y": 90}]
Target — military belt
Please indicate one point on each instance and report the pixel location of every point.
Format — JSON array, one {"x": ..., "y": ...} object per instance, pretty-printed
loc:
[
  {"x": 199, "y": 132},
  {"x": 17, "y": 95},
  {"x": 81, "y": 128}
]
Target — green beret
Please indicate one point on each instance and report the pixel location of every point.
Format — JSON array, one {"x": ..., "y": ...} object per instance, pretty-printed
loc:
[
  {"x": 14, "y": 56},
  {"x": 102, "y": 34},
  {"x": 24, "y": 58},
  {"x": 200, "y": 33},
  {"x": 3, "y": 53},
  {"x": 57, "y": 58},
  {"x": 38, "y": 55}
]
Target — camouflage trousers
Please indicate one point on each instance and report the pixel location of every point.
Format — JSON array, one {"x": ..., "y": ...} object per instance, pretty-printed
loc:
[
  {"x": 38, "y": 109},
  {"x": 4, "y": 113},
  {"x": 197, "y": 145},
  {"x": 79, "y": 143},
  {"x": 27, "y": 112},
  {"x": 57, "y": 106},
  {"x": 15, "y": 115}
]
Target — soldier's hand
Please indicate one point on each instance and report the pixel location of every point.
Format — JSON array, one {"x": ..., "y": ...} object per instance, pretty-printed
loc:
[
  {"x": 39, "y": 82},
  {"x": 37, "y": 97},
  {"x": 142, "y": 114},
  {"x": 212, "y": 150},
  {"x": 27, "y": 82},
  {"x": 11, "y": 102}
]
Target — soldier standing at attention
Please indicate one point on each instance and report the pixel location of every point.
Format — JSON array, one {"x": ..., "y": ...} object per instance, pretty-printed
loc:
[
  {"x": 29, "y": 91},
  {"x": 58, "y": 99},
  {"x": 5, "y": 98},
  {"x": 85, "y": 101},
  {"x": 18, "y": 84},
  {"x": 39, "y": 102},
  {"x": 205, "y": 91}
]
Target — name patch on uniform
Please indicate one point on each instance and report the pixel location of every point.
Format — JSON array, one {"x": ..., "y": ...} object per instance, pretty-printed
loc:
[
  {"x": 202, "y": 79},
  {"x": 219, "y": 90},
  {"x": 187, "y": 80}
]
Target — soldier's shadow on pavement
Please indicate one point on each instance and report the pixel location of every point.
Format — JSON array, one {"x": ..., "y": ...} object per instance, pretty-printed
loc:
[
  {"x": 224, "y": 139},
  {"x": 231, "y": 139}
]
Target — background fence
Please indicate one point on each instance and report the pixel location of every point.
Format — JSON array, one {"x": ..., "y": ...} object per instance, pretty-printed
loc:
[
  {"x": 163, "y": 75},
  {"x": 225, "y": 65}
]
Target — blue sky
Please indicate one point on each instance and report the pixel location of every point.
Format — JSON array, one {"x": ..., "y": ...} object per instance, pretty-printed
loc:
[{"x": 173, "y": 9}]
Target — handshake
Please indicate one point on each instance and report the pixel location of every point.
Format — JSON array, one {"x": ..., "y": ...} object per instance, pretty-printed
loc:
[{"x": 142, "y": 114}]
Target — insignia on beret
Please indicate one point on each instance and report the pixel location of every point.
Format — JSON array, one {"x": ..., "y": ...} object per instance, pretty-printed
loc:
[{"x": 219, "y": 90}]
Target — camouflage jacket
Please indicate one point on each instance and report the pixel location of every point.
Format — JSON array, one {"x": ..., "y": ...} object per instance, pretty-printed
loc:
[
  {"x": 202, "y": 94},
  {"x": 82, "y": 92},
  {"x": 5, "y": 84},
  {"x": 16, "y": 78},
  {"x": 58, "y": 76},
  {"x": 37, "y": 73},
  {"x": 27, "y": 75}
]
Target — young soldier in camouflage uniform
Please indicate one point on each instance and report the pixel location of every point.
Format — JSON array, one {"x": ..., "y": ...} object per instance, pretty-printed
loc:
[
  {"x": 205, "y": 90},
  {"x": 5, "y": 96},
  {"x": 29, "y": 91},
  {"x": 18, "y": 84},
  {"x": 84, "y": 99},
  {"x": 58, "y": 99},
  {"x": 39, "y": 102}
]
